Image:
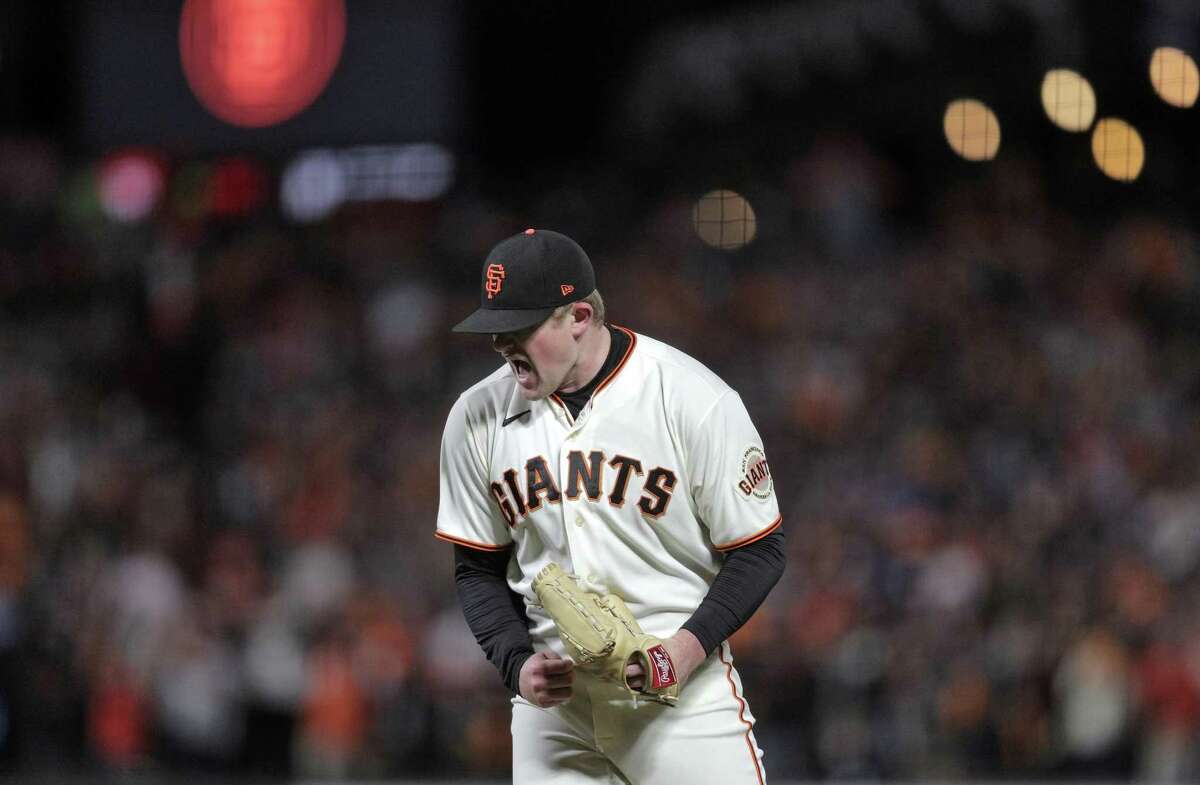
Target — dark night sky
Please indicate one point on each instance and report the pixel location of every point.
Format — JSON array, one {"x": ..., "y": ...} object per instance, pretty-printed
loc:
[
  {"x": 542, "y": 83},
  {"x": 554, "y": 70}
]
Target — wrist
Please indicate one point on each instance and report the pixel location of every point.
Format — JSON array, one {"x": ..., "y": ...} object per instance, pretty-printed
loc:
[
  {"x": 686, "y": 652},
  {"x": 701, "y": 633},
  {"x": 512, "y": 679}
]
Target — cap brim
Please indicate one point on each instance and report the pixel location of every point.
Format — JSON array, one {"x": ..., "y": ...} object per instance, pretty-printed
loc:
[{"x": 502, "y": 320}]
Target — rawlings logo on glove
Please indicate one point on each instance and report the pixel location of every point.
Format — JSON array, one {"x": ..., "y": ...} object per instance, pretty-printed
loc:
[
  {"x": 602, "y": 636},
  {"x": 663, "y": 670}
]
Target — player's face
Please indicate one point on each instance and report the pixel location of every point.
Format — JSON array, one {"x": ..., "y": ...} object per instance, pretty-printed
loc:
[{"x": 541, "y": 357}]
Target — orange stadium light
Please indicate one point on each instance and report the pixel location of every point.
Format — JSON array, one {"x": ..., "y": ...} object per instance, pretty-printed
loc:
[
  {"x": 972, "y": 129},
  {"x": 255, "y": 63},
  {"x": 724, "y": 219},
  {"x": 1174, "y": 75},
  {"x": 1118, "y": 149}
]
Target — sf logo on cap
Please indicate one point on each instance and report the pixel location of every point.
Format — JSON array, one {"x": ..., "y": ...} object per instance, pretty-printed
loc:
[{"x": 495, "y": 280}]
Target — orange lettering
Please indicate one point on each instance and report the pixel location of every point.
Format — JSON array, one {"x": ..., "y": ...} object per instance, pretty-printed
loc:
[{"x": 495, "y": 280}]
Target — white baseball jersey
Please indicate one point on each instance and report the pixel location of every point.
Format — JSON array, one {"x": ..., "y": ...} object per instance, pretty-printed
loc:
[{"x": 638, "y": 495}]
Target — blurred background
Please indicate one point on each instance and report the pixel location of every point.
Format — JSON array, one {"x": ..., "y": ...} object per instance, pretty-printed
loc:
[{"x": 944, "y": 249}]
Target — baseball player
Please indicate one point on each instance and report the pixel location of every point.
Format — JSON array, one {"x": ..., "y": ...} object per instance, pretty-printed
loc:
[{"x": 607, "y": 456}]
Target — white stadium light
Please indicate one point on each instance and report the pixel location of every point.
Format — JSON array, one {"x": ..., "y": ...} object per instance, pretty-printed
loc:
[
  {"x": 313, "y": 186},
  {"x": 319, "y": 181}
]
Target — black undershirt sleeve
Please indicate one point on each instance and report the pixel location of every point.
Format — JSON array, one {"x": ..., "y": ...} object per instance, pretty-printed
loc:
[
  {"x": 741, "y": 585},
  {"x": 494, "y": 612}
]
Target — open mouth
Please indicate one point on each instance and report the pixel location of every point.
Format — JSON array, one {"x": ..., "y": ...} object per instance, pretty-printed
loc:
[{"x": 521, "y": 368}]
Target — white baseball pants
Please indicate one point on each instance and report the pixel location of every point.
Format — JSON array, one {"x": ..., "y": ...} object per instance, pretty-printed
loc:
[{"x": 602, "y": 736}]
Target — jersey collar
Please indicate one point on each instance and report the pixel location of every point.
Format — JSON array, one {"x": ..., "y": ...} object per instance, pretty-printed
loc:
[
  {"x": 621, "y": 365},
  {"x": 607, "y": 380}
]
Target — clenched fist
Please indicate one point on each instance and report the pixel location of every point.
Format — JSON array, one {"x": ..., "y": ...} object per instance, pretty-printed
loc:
[{"x": 546, "y": 679}]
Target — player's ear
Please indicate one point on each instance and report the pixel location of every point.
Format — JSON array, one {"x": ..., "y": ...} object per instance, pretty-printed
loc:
[{"x": 581, "y": 318}]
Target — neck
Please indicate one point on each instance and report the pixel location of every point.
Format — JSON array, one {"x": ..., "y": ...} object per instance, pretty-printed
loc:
[{"x": 593, "y": 350}]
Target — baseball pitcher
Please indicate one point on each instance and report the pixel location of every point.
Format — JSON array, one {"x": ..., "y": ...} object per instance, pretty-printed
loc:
[{"x": 614, "y": 521}]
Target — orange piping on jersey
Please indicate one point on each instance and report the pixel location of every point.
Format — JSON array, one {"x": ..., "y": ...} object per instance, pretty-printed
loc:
[
  {"x": 479, "y": 546},
  {"x": 752, "y": 538},
  {"x": 741, "y": 711},
  {"x": 624, "y": 359},
  {"x": 620, "y": 365},
  {"x": 554, "y": 397}
]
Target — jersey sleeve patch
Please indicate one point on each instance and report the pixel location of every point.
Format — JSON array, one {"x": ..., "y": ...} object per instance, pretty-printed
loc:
[{"x": 754, "y": 478}]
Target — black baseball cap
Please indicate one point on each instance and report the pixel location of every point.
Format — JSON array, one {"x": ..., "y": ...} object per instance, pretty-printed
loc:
[{"x": 525, "y": 278}]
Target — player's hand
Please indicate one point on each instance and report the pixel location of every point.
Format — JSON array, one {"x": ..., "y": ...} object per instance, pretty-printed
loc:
[
  {"x": 546, "y": 679},
  {"x": 686, "y": 654}
]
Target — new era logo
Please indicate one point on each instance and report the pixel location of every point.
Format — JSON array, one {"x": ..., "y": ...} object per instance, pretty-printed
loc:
[{"x": 566, "y": 289}]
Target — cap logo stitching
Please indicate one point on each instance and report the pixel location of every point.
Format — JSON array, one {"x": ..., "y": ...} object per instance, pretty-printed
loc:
[
  {"x": 566, "y": 289},
  {"x": 495, "y": 280}
]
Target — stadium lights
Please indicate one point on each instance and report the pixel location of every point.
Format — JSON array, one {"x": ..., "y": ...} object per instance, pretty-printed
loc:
[
  {"x": 1174, "y": 76},
  {"x": 130, "y": 184},
  {"x": 1118, "y": 149},
  {"x": 1069, "y": 100},
  {"x": 317, "y": 182},
  {"x": 255, "y": 63},
  {"x": 972, "y": 129},
  {"x": 724, "y": 219}
]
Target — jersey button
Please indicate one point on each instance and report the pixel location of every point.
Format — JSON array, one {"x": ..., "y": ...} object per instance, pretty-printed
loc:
[{"x": 578, "y": 520}]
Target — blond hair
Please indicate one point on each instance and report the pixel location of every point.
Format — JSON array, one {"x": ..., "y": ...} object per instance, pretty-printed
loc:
[{"x": 594, "y": 299}]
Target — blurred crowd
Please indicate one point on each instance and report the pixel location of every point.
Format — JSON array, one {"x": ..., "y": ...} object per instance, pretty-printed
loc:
[{"x": 218, "y": 473}]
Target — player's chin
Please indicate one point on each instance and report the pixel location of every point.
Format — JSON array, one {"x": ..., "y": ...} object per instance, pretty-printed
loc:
[
  {"x": 535, "y": 393},
  {"x": 534, "y": 387}
]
